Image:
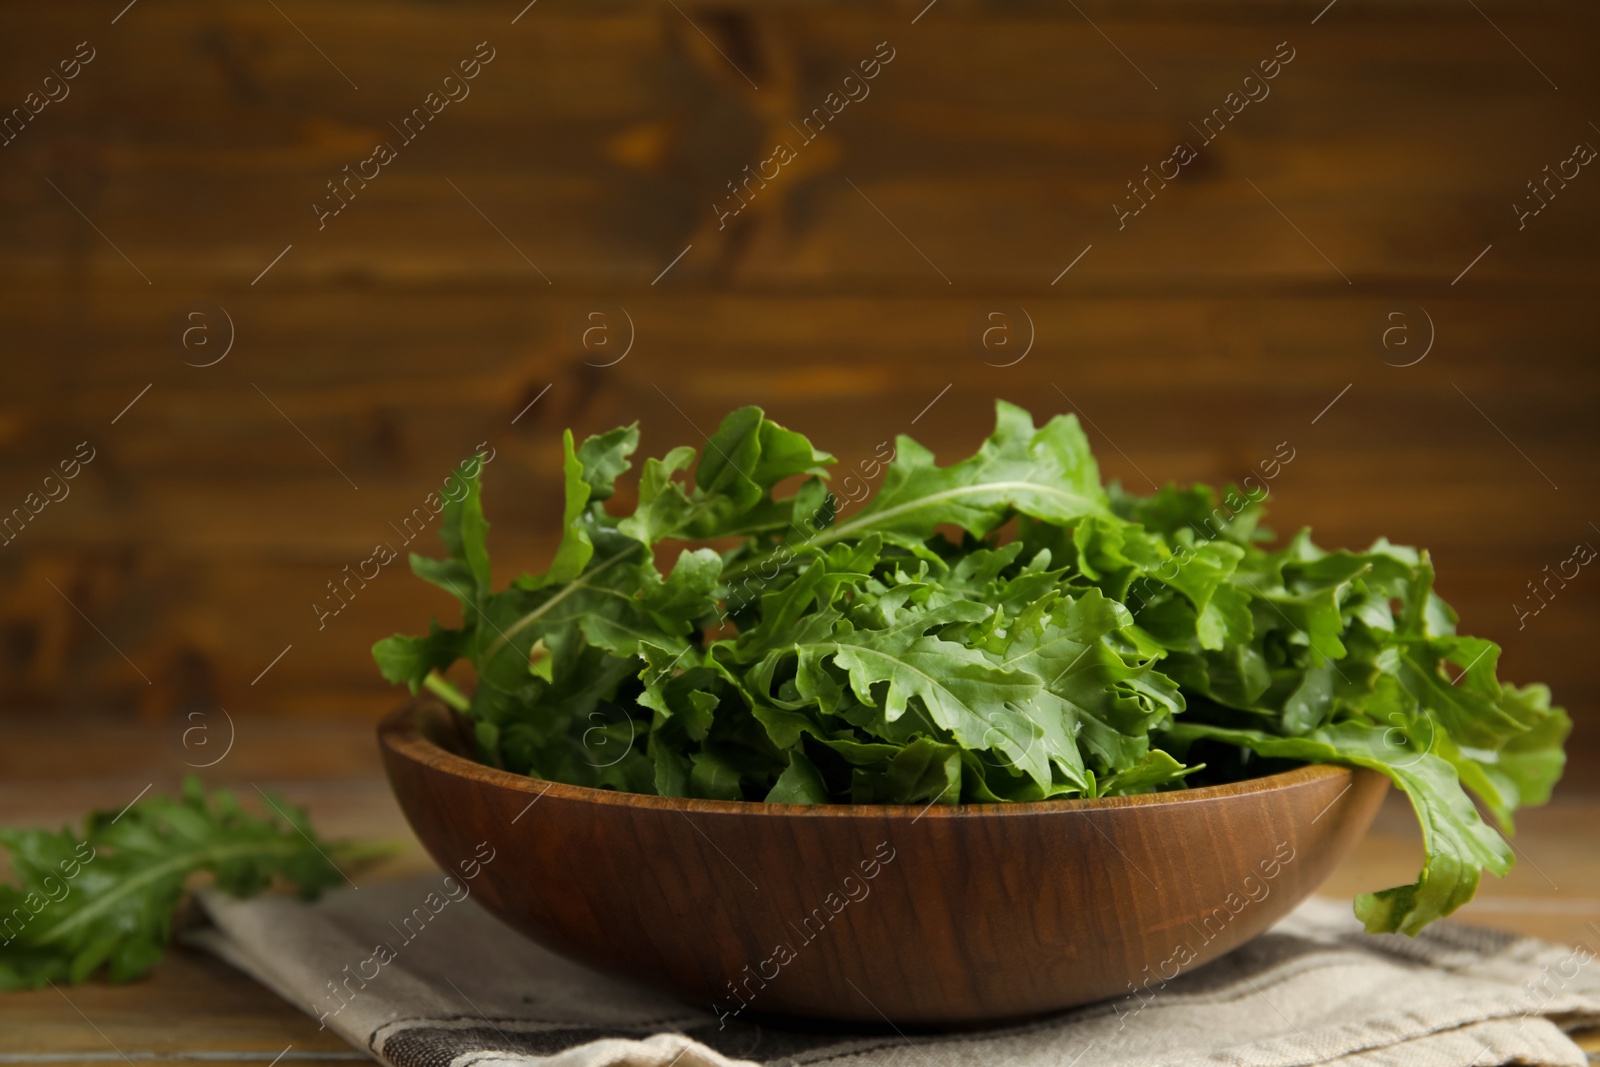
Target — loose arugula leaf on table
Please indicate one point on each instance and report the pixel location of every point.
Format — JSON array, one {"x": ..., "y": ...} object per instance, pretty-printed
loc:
[
  {"x": 104, "y": 899},
  {"x": 1001, "y": 629}
]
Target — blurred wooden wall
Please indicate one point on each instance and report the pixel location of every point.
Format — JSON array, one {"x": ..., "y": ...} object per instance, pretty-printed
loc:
[{"x": 177, "y": 175}]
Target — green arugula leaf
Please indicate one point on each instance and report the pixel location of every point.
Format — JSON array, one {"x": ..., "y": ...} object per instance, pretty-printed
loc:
[
  {"x": 1047, "y": 474},
  {"x": 104, "y": 899},
  {"x": 800, "y": 783},
  {"x": 1458, "y": 843},
  {"x": 1068, "y": 640}
]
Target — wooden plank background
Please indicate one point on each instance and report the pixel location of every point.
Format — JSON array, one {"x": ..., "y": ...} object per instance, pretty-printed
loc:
[{"x": 373, "y": 354}]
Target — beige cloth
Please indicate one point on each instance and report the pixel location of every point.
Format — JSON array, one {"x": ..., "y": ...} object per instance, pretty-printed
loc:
[{"x": 464, "y": 991}]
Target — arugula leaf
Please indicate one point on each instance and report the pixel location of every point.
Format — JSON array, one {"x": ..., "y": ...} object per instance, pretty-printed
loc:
[
  {"x": 104, "y": 899},
  {"x": 1047, "y": 474},
  {"x": 958, "y": 689},
  {"x": 1458, "y": 843},
  {"x": 1068, "y": 641}
]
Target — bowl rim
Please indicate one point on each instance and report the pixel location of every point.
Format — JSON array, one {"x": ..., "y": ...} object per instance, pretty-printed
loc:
[{"x": 400, "y": 734}]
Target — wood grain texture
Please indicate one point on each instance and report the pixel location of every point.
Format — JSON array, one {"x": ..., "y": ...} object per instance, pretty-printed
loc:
[
  {"x": 192, "y": 1003},
  {"x": 198, "y": 1007},
  {"x": 419, "y": 322},
  {"x": 935, "y": 916}
]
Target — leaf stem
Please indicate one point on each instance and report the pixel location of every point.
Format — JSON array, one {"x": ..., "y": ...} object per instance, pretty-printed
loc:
[
  {"x": 183, "y": 862},
  {"x": 446, "y": 692},
  {"x": 869, "y": 519},
  {"x": 573, "y": 586}
]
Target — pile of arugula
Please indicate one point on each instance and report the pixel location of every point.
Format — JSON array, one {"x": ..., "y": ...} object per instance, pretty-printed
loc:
[
  {"x": 105, "y": 899},
  {"x": 1065, "y": 640}
]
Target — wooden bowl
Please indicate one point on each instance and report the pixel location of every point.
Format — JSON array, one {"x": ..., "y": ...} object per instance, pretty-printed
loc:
[{"x": 945, "y": 915}]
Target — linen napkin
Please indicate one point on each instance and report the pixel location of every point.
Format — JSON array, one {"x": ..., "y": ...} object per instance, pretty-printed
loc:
[{"x": 463, "y": 990}]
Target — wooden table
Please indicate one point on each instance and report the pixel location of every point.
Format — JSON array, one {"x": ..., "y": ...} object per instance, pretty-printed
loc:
[
  {"x": 1243, "y": 307},
  {"x": 193, "y": 1004}
]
